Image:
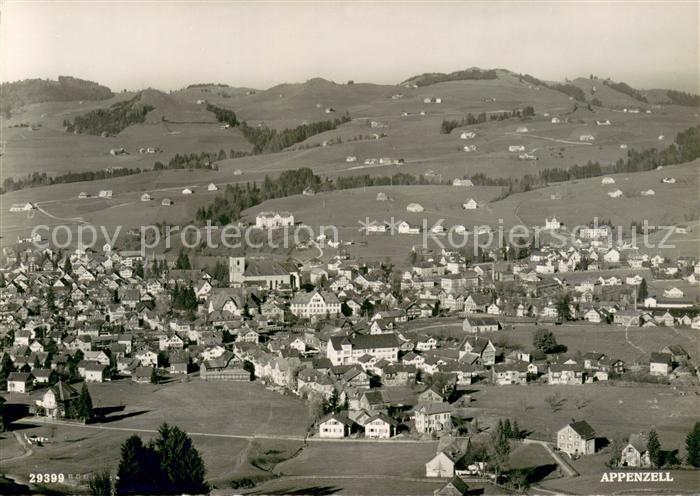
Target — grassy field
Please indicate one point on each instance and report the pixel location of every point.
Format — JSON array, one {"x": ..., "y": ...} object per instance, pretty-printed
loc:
[
  {"x": 393, "y": 459},
  {"x": 614, "y": 411}
]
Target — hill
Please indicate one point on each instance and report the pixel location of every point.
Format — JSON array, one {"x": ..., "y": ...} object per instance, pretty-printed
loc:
[
  {"x": 66, "y": 88},
  {"x": 471, "y": 74}
]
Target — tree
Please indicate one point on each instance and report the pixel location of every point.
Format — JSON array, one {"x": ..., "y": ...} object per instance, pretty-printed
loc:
[
  {"x": 654, "y": 448},
  {"x": 138, "y": 270},
  {"x": 155, "y": 376},
  {"x": 544, "y": 340},
  {"x": 100, "y": 484},
  {"x": 181, "y": 467},
  {"x": 183, "y": 261},
  {"x": 5, "y": 368},
  {"x": 51, "y": 300},
  {"x": 83, "y": 406},
  {"x": 367, "y": 307},
  {"x": 345, "y": 309},
  {"x": 138, "y": 467},
  {"x": 68, "y": 266},
  {"x": 563, "y": 308},
  {"x": 642, "y": 291},
  {"x": 692, "y": 445}
]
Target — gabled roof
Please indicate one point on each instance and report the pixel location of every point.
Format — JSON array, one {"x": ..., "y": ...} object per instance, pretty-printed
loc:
[{"x": 583, "y": 429}]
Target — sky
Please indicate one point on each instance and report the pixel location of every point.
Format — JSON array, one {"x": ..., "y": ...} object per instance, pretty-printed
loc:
[{"x": 168, "y": 45}]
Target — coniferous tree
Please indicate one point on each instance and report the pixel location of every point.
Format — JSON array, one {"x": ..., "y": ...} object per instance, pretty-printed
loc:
[
  {"x": 100, "y": 484},
  {"x": 692, "y": 445},
  {"x": 83, "y": 406},
  {"x": 654, "y": 448},
  {"x": 181, "y": 467},
  {"x": 138, "y": 468}
]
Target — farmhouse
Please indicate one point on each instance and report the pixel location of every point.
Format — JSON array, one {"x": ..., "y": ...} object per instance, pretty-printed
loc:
[
  {"x": 576, "y": 438},
  {"x": 474, "y": 324},
  {"x": 608, "y": 180},
  {"x": 380, "y": 426},
  {"x": 606, "y": 122},
  {"x": 467, "y": 135},
  {"x": 82, "y": 195},
  {"x": 660, "y": 364},
  {"x": 443, "y": 464},
  {"x": 516, "y": 148},
  {"x": 414, "y": 207},
  {"x": 351, "y": 158},
  {"x": 504, "y": 374},
  {"x": 22, "y": 207},
  {"x": 212, "y": 187},
  {"x": 166, "y": 202},
  {"x": 648, "y": 192},
  {"x": 478, "y": 349},
  {"x": 635, "y": 453},
  {"x": 19, "y": 382},
  {"x": 56, "y": 400},
  {"x": 469, "y": 148},
  {"x": 187, "y": 191},
  {"x": 470, "y": 204},
  {"x": 273, "y": 220},
  {"x": 521, "y": 129},
  {"x": 105, "y": 193},
  {"x": 615, "y": 194},
  {"x": 146, "y": 197},
  {"x": 586, "y": 137},
  {"x": 381, "y": 196},
  {"x": 462, "y": 182},
  {"x": 552, "y": 224},
  {"x": 668, "y": 180}
]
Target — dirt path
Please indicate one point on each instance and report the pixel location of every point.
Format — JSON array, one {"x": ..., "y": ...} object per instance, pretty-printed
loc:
[{"x": 27, "y": 450}]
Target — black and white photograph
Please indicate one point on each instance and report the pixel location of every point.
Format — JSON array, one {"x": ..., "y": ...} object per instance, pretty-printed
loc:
[{"x": 360, "y": 248}]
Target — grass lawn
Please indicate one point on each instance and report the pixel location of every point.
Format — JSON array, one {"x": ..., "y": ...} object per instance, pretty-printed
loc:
[
  {"x": 199, "y": 406},
  {"x": 400, "y": 459},
  {"x": 614, "y": 411}
]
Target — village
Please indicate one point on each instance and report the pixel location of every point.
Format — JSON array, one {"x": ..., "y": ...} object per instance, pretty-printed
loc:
[{"x": 377, "y": 353}]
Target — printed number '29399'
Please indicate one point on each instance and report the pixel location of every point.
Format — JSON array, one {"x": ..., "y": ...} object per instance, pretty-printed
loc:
[{"x": 44, "y": 478}]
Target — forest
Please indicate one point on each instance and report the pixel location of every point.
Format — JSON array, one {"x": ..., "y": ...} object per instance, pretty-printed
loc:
[
  {"x": 438, "y": 77},
  {"x": 111, "y": 120}
]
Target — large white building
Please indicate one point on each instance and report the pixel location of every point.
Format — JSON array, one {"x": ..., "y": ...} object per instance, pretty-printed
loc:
[
  {"x": 345, "y": 350},
  {"x": 315, "y": 303},
  {"x": 261, "y": 272},
  {"x": 272, "y": 220}
]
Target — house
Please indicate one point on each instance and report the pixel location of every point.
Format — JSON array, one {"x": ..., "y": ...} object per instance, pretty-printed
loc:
[
  {"x": 95, "y": 372},
  {"x": 608, "y": 180},
  {"x": 56, "y": 400},
  {"x": 660, "y": 364},
  {"x": 274, "y": 220},
  {"x": 635, "y": 453},
  {"x": 433, "y": 417},
  {"x": 414, "y": 207},
  {"x": 510, "y": 373},
  {"x": 212, "y": 187},
  {"x": 146, "y": 197},
  {"x": 19, "y": 382},
  {"x": 22, "y": 207},
  {"x": 187, "y": 191},
  {"x": 470, "y": 204},
  {"x": 455, "y": 487},
  {"x": 142, "y": 375},
  {"x": 565, "y": 374},
  {"x": 105, "y": 193},
  {"x": 463, "y": 182},
  {"x": 677, "y": 352},
  {"x": 615, "y": 193},
  {"x": 474, "y": 324},
  {"x": 606, "y": 122},
  {"x": 443, "y": 464},
  {"x": 516, "y": 148},
  {"x": 552, "y": 224},
  {"x": 576, "y": 439},
  {"x": 586, "y": 137},
  {"x": 480, "y": 348},
  {"x": 380, "y": 426},
  {"x": 335, "y": 426}
]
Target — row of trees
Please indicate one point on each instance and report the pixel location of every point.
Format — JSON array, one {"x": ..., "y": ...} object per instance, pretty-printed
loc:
[
  {"x": 223, "y": 115},
  {"x": 566, "y": 88},
  {"x": 203, "y": 160},
  {"x": 626, "y": 89},
  {"x": 683, "y": 98},
  {"x": 268, "y": 140},
  {"x": 470, "y": 119},
  {"x": 169, "y": 464},
  {"x": 36, "y": 179},
  {"x": 111, "y": 120}
]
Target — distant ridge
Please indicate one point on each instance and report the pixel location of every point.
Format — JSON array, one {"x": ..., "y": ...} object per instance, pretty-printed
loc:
[
  {"x": 66, "y": 88},
  {"x": 473, "y": 73}
]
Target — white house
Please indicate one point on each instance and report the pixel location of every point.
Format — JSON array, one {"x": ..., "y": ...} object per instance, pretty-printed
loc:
[
  {"x": 146, "y": 197},
  {"x": 673, "y": 293},
  {"x": 272, "y": 220},
  {"x": 315, "y": 303},
  {"x": 551, "y": 224},
  {"x": 470, "y": 204},
  {"x": 576, "y": 438},
  {"x": 516, "y": 148},
  {"x": 586, "y": 137},
  {"x": 187, "y": 191},
  {"x": 615, "y": 193},
  {"x": 648, "y": 192},
  {"x": 608, "y": 180},
  {"x": 414, "y": 207},
  {"x": 105, "y": 193},
  {"x": 467, "y": 135},
  {"x": 335, "y": 427},
  {"x": 22, "y": 207},
  {"x": 212, "y": 187},
  {"x": 463, "y": 182}
]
